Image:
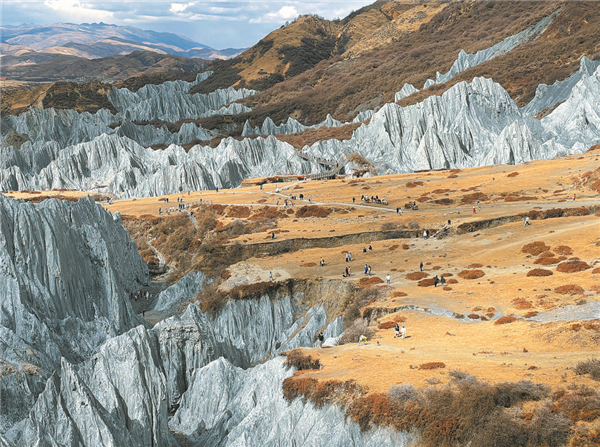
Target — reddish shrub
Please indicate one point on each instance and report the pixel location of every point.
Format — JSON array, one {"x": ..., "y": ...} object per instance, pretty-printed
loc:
[
  {"x": 569, "y": 289},
  {"x": 533, "y": 313},
  {"x": 297, "y": 359},
  {"x": 596, "y": 270},
  {"x": 572, "y": 266},
  {"x": 313, "y": 211},
  {"x": 475, "y": 265},
  {"x": 386, "y": 325},
  {"x": 415, "y": 276},
  {"x": 505, "y": 320},
  {"x": 447, "y": 288},
  {"x": 513, "y": 174},
  {"x": 473, "y": 316},
  {"x": 521, "y": 303},
  {"x": 309, "y": 264},
  {"x": 539, "y": 272},
  {"x": 474, "y": 197},
  {"x": 471, "y": 274},
  {"x": 414, "y": 184},
  {"x": 564, "y": 250},
  {"x": 535, "y": 248},
  {"x": 394, "y": 247},
  {"x": 452, "y": 281},
  {"x": 432, "y": 365},
  {"x": 427, "y": 282},
  {"x": 546, "y": 261},
  {"x": 369, "y": 281}
]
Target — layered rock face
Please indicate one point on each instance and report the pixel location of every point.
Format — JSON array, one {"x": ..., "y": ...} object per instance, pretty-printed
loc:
[{"x": 66, "y": 271}]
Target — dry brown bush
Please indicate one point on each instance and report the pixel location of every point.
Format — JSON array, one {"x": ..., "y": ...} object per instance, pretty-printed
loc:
[
  {"x": 309, "y": 264},
  {"x": 452, "y": 281},
  {"x": 475, "y": 265},
  {"x": 413, "y": 184},
  {"x": 369, "y": 281},
  {"x": 313, "y": 211},
  {"x": 444, "y": 201},
  {"x": 405, "y": 246},
  {"x": 522, "y": 303},
  {"x": 564, "y": 250},
  {"x": 474, "y": 197},
  {"x": 386, "y": 325},
  {"x": 440, "y": 191},
  {"x": 446, "y": 275},
  {"x": 415, "y": 276},
  {"x": 569, "y": 289},
  {"x": 539, "y": 272},
  {"x": 473, "y": 316},
  {"x": 432, "y": 365},
  {"x": 505, "y": 320},
  {"x": 513, "y": 198},
  {"x": 427, "y": 282},
  {"x": 399, "y": 294},
  {"x": 572, "y": 266},
  {"x": 239, "y": 212},
  {"x": 596, "y": 270},
  {"x": 513, "y": 174},
  {"x": 471, "y": 274},
  {"x": 535, "y": 248},
  {"x": 533, "y": 313},
  {"x": 546, "y": 261},
  {"x": 301, "y": 361},
  {"x": 353, "y": 333},
  {"x": 447, "y": 288},
  {"x": 394, "y": 247}
]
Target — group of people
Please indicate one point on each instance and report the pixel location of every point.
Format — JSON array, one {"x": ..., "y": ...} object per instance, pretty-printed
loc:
[
  {"x": 398, "y": 332},
  {"x": 437, "y": 281},
  {"x": 374, "y": 199},
  {"x": 140, "y": 295}
]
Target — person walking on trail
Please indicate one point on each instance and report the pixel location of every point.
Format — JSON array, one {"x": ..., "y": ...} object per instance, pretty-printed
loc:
[
  {"x": 370, "y": 248},
  {"x": 369, "y": 271},
  {"x": 271, "y": 276},
  {"x": 362, "y": 340},
  {"x": 403, "y": 332},
  {"x": 526, "y": 221},
  {"x": 277, "y": 202},
  {"x": 435, "y": 281},
  {"x": 272, "y": 235},
  {"x": 397, "y": 330},
  {"x": 474, "y": 210},
  {"x": 346, "y": 257},
  {"x": 388, "y": 278},
  {"x": 425, "y": 234},
  {"x": 353, "y": 199},
  {"x": 421, "y": 265},
  {"x": 574, "y": 197},
  {"x": 442, "y": 281},
  {"x": 321, "y": 339},
  {"x": 366, "y": 268},
  {"x": 479, "y": 205},
  {"x": 349, "y": 257},
  {"x": 347, "y": 272}
]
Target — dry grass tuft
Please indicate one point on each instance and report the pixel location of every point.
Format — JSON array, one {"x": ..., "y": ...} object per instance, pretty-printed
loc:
[
  {"x": 415, "y": 276},
  {"x": 475, "y": 265},
  {"x": 513, "y": 174},
  {"x": 386, "y": 325},
  {"x": 522, "y": 303},
  {"x": 427, "y": 282},
  {"x": 309, "y": 264},
  {"x": 539, "y": 272},
  {"x": 369, "y": 281},
  {"x": 564, "y": 250},
  {"x": 505, "y": 320},
  {"x": 569, "y": 289},
  {"x": 546, "y": 261},
  {"x": 313, "y": 211},
  {"x": 572, "y": 266},
  {"x": 432, "y": 365},
  {"x": 471, "y": 274},
  {"x": 473, "y": 197},
  {"x": 399, "y": 294},
  {"x": 535, "y": 248},
  {"x": 302, "y": 362}
]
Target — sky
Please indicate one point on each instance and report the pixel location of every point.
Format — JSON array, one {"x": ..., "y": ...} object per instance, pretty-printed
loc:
[{"x": 218, "y": 24}]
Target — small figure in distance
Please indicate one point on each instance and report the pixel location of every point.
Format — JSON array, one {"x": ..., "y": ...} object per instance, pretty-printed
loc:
[
  {"x": 322, "y": 262},
  {"x": 369, "y": 271},
  {"x": 370, "y": 248},
  {"x": 474, "y": 210},
  {"x": 271, "y": 276},
  {"x": 574, "y": 197},
  {"x": 321, "y": 339},
  {"x": 362, "y": 340},
  {"x": 353, "y": 199},
  {"x": 421, "y": 265},
  {"x": 435, "y": 281},
  {"x": 442, "y": 281},
  {"x": 364, "y": 249},
  {"x": 397, "y": 330},
  {"x": 388, "y": 278},
  {"x": 403, "y": 332},
  {"x": 526, "y": 221},
  {"x": 366, "y": 268}
]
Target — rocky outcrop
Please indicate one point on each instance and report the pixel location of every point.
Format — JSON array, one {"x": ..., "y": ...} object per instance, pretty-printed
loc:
[
  {"x": 66, "y": 271},
  {"x": 247, "y": 408},
  {"x": 290, "y": 126},
  {"x": 406, "y": 90},
  {"x": 184, "y": 289},
  {"x": 172, "y": 102},
  {"x": 465, "y": 61}
]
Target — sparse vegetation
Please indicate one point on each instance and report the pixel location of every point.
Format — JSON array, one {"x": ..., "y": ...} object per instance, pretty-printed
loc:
[{"x": 302, "y": 362}]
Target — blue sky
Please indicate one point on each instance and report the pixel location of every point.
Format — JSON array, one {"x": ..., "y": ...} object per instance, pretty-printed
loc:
[{"x": 219, "y": 24}]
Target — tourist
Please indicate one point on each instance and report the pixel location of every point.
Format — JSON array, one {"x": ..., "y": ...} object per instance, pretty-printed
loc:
[
  {"x": 350, "y": 257},
  {"x": 574, "y": 197},
  {"x": 474, "y": 210},
  {"x": 397, "y": 330},
  {"x": 271, "y": 276},
  {"x": 321, "y": 339},
  {"x": 435, "y": 281},
  {"x": 366, "y": 268},
  {"x": 421, "y": 265},
  {"x": 403, "y": 332},
  {"x": 526, "y": 221},
  {"x": 388, "y": 278},
  {"x": 369, "y": 271},
  {"x": 362, "y": 340},
  {"x": 442, "y": 281}
]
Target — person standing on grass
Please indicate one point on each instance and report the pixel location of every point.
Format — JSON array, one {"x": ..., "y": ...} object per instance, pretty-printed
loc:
[
  {"x": 421, "y": 265},
  {"x": 435, "y": 281},
  {"x": 271, "y": 276},
  {"x": 574, "y": 197},
  {"x": 366, "y": 268},
  {"x": 388, "y": 278},
  {"x": 321, "y": 339},
  {"x": 442, "y": 281},
  {"x": 474, "y": 210},
  {"x": 369, "y": 270},
  {"x": 403, "y": 332},
  {"x": 397, "y": 330}
]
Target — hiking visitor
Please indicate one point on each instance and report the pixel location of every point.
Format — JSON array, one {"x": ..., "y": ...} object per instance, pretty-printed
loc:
[
  {"x": 364, "y": 249},
  {"x": 403, "y": 332},
  {"x": 272, "y": 235},
  {"x": 362, "y": 340},
  {"x": 346, "y": 257},
  {"x": 526, "y": 221},
  {"x": 369, "y": 271},
  {"x": 425, "y": 234},
  {"x": 349, "y": 257},
  {"x": 435, "y": 281},
  {"x": 397, "y": 330},
  {"x": 388, "y": 278},
  {"x": 366, "y": 269},
  {"x": 277, "y": 202},
  {"x": 353, "y": 199},
  {"x": 321, "y": 339},
  {"x": 574, "y": 197},
  {"x": 347, "y": 273},
  {"x": 421, "y": 265},
  {"x": 474, "y": 211},
  {"x": 442, "y": 281},
  {"x": 271, "y": 276},
  {"x": 370, "y": 248}
]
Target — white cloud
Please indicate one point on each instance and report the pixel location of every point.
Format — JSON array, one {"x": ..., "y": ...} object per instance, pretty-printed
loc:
[
  {"x": 285, "y": 13},
  {"x": 180, "y": 7},
  {"x": 75, "y": 11}
]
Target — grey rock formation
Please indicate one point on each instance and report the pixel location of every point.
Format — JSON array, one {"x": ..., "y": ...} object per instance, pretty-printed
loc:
[
  {"x": 465, "y": 61},
  {"x": 66, "y": 270},
  {"x": 406, "y": 90},
  {"x": 548, "y": 96},
  {"x": 172, "y": 102},
  {"x": 290, "y": 126},
  {"x": 248, "y": 408},
  {"x": 184, "y": 289}
]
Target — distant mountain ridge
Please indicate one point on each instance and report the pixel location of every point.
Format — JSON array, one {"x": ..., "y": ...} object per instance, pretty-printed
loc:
[{"x": 97, "y": 40}]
